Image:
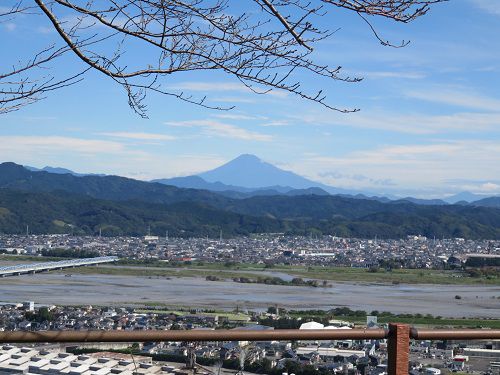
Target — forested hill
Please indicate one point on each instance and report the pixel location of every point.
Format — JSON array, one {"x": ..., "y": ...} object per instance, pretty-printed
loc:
[
  {"x": 339, "y": 207},
  {"x": 14, "y": 176},
  {"x": 61, "y": 212},
  {"x": 487, "y": 202},
  {"x": 69, "y": 213}
]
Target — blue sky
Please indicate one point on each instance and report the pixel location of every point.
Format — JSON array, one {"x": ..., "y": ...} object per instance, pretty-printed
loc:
[{"x": 428, "y": 125}]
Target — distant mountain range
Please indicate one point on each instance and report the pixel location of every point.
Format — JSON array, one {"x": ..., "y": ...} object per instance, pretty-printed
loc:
[
  {"x": 250, "y": 175},
  {"x": 16, "y": 177},
  {"x": 251, "y": 172},
  {"x": 464, "y": 197},
  {"x": 58, "y": 170},
  {"x": 247, "y": 176},
  {"x": 65, "y": 203}
]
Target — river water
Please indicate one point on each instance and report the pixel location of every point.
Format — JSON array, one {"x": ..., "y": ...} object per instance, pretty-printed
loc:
[{"x": 53, "y": 288}]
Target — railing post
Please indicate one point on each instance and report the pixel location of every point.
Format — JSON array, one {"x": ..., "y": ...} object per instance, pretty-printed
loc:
[{"x": 398, "y": 349}]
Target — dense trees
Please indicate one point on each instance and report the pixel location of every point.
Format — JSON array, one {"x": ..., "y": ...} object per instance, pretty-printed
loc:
[
  {"x": 76, "y": 214},
  {"x": 261, "y": 43}
]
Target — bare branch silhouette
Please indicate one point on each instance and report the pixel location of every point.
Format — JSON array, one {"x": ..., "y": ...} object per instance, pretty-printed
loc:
[{"x": 262, "y": 43}]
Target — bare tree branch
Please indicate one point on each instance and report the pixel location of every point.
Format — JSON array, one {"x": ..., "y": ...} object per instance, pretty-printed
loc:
[{"x": 261, "y": 43}]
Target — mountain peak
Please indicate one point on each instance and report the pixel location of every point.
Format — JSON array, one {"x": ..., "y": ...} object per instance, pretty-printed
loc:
[
  {"x": 247, "y": 158},
  {"x": 250, "y": 171}
]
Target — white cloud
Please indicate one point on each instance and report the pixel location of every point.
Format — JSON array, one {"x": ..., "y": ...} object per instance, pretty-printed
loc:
[
  {"x": 140, "y": 136},
  {"x": 102, "y": 156},
  {"x": 209, "y": 86},
  {"x": 235, "y": 116},
  {"x": 461, "y": 97},
  {"x": 56, "y": 144},
  {"x": 85, "y": 155},
  {"x": 413, "y": 123},
  {"x": 392, "y": 74},
  {"x": 10, "y": 26},
  {"x": 45, "y": 30},
  {"x": 490, "y": 6},
  {"x": 487, "y": 188},
  {"x": 490, "y": 187},
  {"x": 216, "y": 128},
  {"x": 231, "y": 99},
  {"x": 85, "y": 23},
  {"x": 276, "y": 123},
  {"x": 416, "y": 166},
  {"x": 226, "y": 87},
  {"x": 156, "y": 166}
]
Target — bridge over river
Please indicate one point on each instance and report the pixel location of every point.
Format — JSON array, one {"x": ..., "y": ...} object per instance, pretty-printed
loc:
[{"x": 59, "y": 265}]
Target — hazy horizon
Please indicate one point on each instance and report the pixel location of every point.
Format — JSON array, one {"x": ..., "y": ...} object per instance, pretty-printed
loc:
[{"x": 263, "y": 185}]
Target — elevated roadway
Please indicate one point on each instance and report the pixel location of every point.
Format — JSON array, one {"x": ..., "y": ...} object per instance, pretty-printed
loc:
[{"x": 59, "y": 265}]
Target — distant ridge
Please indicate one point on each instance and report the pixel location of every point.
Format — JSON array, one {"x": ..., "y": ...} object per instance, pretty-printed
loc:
[
  {"x": 464, "y": 196},
  {"x": 248, "y": 174},
  {"x": 425, "y": 202},
  {"x": 487, "y": 202},
  {"x": 64, "y": 203},
  {"x": 14, "y": 176},
  {"x": 196, "y": 182},
  {"x": 250, "y": 166},
  {"x": 59, "y": 170}
]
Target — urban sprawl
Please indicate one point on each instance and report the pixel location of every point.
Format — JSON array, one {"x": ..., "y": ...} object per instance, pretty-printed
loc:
[
  {"x": 411, "y": 252},
  {"x": 277, "y": 358}
]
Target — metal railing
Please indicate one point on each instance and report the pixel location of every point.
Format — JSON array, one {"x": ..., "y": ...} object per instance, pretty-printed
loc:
[{"x": 398, "y": 336}]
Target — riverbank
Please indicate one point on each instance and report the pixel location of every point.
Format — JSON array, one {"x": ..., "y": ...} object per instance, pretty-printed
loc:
[
  {"x": 478, "y": 301},
  {"x": 228, "y": 271}
]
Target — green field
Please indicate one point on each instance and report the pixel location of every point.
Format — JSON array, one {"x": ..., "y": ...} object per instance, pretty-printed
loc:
[
  {"x": 433, "y": 322},
  {"x": 419, "y": 321},
  {"x": 403, "y": 276},
  {"x": 240, "y": 317},
  {"x": 231, "y": 270},
  {"x": 152, "y": 272},
  {"x": 6, "y": 259},
  {"x": 399, "y": 276}
]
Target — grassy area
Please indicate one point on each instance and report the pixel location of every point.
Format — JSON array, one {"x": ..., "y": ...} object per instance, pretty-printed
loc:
[
  {"x": 432, "y": 322},
  {"x": 445, "y": 322},
  {"x": 17, "y": 259},
  {"x": 424, "y": 321},
  {"x": 152, "y": 272},
  {"x": 254, "y": 270},
  {"x": 397, "y": 276},
  {"x": 229, "y": 315},
  {"x": 403, "y": 276}
]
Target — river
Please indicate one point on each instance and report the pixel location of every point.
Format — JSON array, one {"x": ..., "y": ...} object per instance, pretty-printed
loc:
[{"x": 54, "y": 288}]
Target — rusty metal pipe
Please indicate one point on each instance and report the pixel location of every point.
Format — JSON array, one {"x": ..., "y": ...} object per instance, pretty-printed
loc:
[
  {"x": 454, "y": 334},
  {"x": 191, "y": 335},
  {"x": 398, "y": 349}
]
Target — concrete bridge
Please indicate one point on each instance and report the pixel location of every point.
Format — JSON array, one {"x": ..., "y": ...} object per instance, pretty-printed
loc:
[{"x": 47, "y": 266}]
